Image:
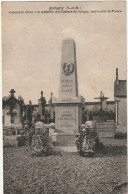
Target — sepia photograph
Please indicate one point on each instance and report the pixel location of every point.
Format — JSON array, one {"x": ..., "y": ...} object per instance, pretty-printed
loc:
[{"x": 64, "y": 97}]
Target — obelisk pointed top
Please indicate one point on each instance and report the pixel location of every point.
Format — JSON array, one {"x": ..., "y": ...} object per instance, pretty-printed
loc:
[
  {"x": 68, "y": 77},
  {"x": 68, "y": 39}
]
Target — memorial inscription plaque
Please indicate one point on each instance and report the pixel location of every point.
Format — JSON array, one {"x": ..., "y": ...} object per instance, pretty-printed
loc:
[{"x": 66, "y": 118}]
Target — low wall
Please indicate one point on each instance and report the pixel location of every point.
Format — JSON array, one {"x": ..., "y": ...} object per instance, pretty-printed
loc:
[{"x": 10, "y": 141}]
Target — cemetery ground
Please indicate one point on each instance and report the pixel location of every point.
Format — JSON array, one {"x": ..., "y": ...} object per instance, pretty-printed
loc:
[{"x": 67, "y": 173}]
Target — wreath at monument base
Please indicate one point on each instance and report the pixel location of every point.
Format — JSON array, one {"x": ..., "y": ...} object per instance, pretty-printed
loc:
[
  {"x": 41, "y": 145},
  {"x": 87, "y": 141}
]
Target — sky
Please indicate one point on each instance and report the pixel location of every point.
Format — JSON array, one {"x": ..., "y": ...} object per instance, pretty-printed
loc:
[{"x": 31, "y": 48}]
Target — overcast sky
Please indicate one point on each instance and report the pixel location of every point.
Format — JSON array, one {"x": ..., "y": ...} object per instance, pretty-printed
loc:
[{"x": 31, "y": 45}]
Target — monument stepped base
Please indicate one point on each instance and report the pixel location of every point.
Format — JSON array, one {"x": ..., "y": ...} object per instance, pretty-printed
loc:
[
  {"x": 65, "y": 139},
  {"x": 67, "y": 144},
  {"x": 62, "y": 137},
  {"x": 64, "y": 149}
]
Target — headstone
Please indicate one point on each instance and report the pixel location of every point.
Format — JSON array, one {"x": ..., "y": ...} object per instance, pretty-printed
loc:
[
  {"x": 68, "y": 107},
  {"x": 12, "y": 111}
]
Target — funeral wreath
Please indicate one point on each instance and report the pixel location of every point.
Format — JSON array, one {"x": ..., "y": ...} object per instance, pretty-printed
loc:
[{"x": 87, "y": 139}]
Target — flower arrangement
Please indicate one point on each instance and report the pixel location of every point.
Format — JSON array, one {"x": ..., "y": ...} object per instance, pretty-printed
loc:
[
  {"x": 41, "y": 141},
  {"x": 86, "y": 140}
]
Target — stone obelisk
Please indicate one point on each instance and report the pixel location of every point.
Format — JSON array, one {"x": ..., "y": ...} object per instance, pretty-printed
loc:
[
  {"x": 68, "y": 76},
  {"x": 68, "y": 106}
]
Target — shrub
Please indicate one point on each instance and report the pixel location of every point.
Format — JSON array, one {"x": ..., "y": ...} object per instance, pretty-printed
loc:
[{"x": 120, "y": 135}]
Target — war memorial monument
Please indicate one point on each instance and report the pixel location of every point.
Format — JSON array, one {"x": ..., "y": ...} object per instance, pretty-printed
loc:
[{"x": 68, "y": 106}]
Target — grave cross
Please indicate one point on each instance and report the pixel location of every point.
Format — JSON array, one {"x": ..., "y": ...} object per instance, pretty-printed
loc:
[
  {"x": 50, "y": 101},
  {"x": 101, "y": 98},
  {"x": 12, "y": 92},
  {"x": 41, "y": 94},
  {"x": 12, "y": 106}
]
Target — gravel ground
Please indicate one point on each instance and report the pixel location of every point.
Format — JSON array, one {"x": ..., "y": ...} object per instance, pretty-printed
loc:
[
  {"x": 67, "y": 173},
  {"x": 115, "y": 142}
]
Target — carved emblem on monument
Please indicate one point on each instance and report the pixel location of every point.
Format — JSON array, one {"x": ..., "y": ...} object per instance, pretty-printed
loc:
[{"x": 68, "y": 68}]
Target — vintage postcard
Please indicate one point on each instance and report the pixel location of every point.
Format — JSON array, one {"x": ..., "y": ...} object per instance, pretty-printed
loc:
[{"x": 64, "y": 97}]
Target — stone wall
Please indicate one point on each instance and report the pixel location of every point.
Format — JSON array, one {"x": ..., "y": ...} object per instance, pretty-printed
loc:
[
  {"x": 120, "y": 94},
  {"x": 95, "y": 106},
  {"x": 120, "y": 88},
  {"x": 122, "y": 115}
]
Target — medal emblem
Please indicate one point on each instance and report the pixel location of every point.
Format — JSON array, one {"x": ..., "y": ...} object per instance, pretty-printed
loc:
[{"x": 68, "y": 68}]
